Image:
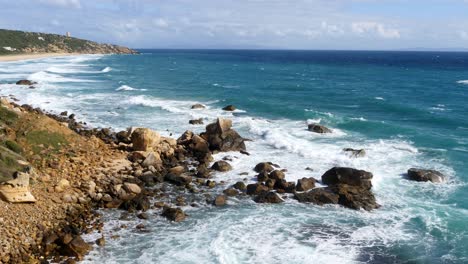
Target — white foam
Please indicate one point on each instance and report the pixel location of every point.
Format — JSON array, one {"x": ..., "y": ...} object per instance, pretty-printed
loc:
[
  {"x": 128, "y": 88},
  {"x": 379, "y": 98},
  {"x": 463, "y": 82},
  {"x": 106, "y": 69},
  {"x": 43, "y": 76}
]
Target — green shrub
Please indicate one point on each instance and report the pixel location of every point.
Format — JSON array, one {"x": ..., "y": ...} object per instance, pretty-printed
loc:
[{"x": 13, "y": 146}]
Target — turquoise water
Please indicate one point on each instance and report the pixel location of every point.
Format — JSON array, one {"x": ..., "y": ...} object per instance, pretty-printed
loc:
[{"x": 406, "y": 109}]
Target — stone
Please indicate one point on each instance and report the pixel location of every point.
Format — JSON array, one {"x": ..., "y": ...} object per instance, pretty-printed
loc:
[
  {"x": 318, "y": 129},
  {"x": 177, "y": 170},
  {"x": 25, "y": 82},
  {"x": 220, "y": 200},
  {"x": 229, "y": 108},
  {"x": 198, "y": 121},
  {"x": 76, "y": 248},
  {"x": 305, "y": 184},
  {"x": 174, "y": 214},
  {"x": 132, "y": 188},
  {"x": 198, "y": 106},
  {"x": 350, "y": 176},
  {"x": 152, "y": 159},
  {"x": 221, "y": 166},
  {"x": 221, "y": 137},
  {"x": 240, "y": 186},
  {"x": 62, "y": 185},
  {"x": 231, "y": 192},
  {"x": 256, "y": 188},
  {"x": 144, "y": 139},
  {"x": 422, "y": 175},
  {"x": 355, "y": 153},
  {"x": 138, "y": 203},
  {"x": 178, "y": 179},
  {"x": 101, "y": 241},
  {"x": 264, "y": 167},
  {"x": 143, "y": 216},
  {"x": 285, "y": 186},
  {"x": 276, "y": 175},
  {"x": 355, "y": 197},
  {"x": 318, "y": 196},
  {"x": 268, "y": 197}
]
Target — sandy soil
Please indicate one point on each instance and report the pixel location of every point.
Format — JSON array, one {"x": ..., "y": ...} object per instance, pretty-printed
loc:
[{"x": 32, "y": 56}]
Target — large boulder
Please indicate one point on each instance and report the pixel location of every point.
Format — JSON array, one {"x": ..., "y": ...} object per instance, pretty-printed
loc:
[
  {"x": 144, "y": 139},
  {"x": 318, "y": 196},
  {"x": 350, "y": 176},
  {"x": 221, "y": 137},
  {"x": 268, "y": 197},
  {"x": 180, "y": 180},
  {"x": 305, "y": 184},
  {"x": 355, "y": 197},
  {"x": 77, "y": 247},
  {"x": 319, "y": 129},
  {"x": 17, "y": 189},
  {"x": 198, "y": 121},
  {"x": 198, "y": 106},
  {"x": 256, "y": 188},
  {"x": 174, "y": 214},
  {"x": 425, "y": 175},
  {"x": 264, "y": 167},
  {"x": 222, "y": 166},
  {"x": 25, "y": 82},
  {"x": 229, "y": 108},
  {"x": 276, "y": 175}
]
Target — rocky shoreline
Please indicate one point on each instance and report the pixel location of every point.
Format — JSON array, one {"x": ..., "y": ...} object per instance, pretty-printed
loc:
[{"x": 73, "y": 170}]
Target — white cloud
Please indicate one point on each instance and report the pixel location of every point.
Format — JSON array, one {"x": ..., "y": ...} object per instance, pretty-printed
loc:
[
  {"x": 162, "y": 23},
  {"x": 63, "y": 3},
  {"x": 374, "y": 28},
  {"x": 463, "y": 34}
]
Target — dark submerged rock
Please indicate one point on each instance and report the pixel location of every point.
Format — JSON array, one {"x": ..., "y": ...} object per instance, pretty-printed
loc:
[
  {"x": 174, "y": 214},
  {"x": 319, "y": 129},
  {"x": 268, "y": 197},
  {"x": 305, "y": 184},
  {"x": 422, "y": 175},
  {"x": 229, "y": 108},
  {"x": 350, "y": 176}
]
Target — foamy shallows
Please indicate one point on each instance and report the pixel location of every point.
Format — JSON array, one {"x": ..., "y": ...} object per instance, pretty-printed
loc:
[
  {"x": 463, "y": 82},
  {"x": 421, "y": 221}
]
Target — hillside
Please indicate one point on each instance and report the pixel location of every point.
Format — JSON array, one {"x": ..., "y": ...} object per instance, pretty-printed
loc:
[{"x": 18, "y": 42}]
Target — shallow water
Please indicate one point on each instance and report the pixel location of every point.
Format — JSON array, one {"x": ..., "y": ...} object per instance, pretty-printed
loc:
[{"x": 406, "y": 109}]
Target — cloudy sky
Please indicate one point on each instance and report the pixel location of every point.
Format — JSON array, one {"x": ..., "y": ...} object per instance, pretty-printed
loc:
[{"x": 282, "y": 24}]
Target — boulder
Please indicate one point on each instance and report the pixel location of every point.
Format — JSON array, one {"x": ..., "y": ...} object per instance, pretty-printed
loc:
[
  {"x": 177, "y": 170},
  {"x": 25, "y": 82},
  {"x": 422, "y": 175},
  {"x": 144, "y": 139},
  {"x": 198, "y": 106},
  {"x": 62, "y": 185},
  {"x": 305, "y": 184},
  {"x": 222, "y": 166},
  {"x": 240, "y": 186},
  {"x": 174, "y": 214},
  {"x": 203, "y": 171},
  {"x": 196, "y": 121},
  {"x": 231, "y": 192},
  {"x": 132, "y": 188},
  {"x": 264, "y": 167},
  {"x": 355, "y": 153},
  {"x": 276, "y": 175},
  {"x": 318, "y": 196},
  {"x": 220, "y": 200},
  {"x": 77, "y": 248},
  {"x": 262, "y": 177},
  {"x": 350, "y": 176},
  {"x": 285, "y": 186},
  {"x": 17, "y": 189},
  {"x": 185, "y": 138},
  {"x": 152, "y": 159},
  {"x": 229, "y": 108},
  {"x": 221, "y": 137},
  {"x": 355, "y": 197},
  {"x": 319, "y": 129},
  {"x": 180, "y": 180},
  {"x": 268, "y": 197},
  {"x": 140, "y": 202},
  {"x": 256, "y": 188}
]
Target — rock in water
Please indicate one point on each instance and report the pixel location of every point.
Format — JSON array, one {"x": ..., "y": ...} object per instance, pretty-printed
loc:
[
  {"x": 268, "y": 197},
  {"x": 425, "y": 175},
  {"x": 221, "y": 137},
  {"x": 198, "y": 121},
  {"x": 318, "y": 196},
  {"x": 220, "y": 200},
  {"x": 305, "y": 184},
  {"x": 144, "y": 138},
  {"x": 229, "y": 108},
  {"x": 264, "y": 167},
  {"x": 198, "y": 106},
  {"x": 25, "y": 82},
  {"x": 350, "y": 176},
  {"x": 319, "y": 129},
  {"x": 222, "y": 166},
  {"x": 174, "y": 214},
  {"x": 355, "y": 153}
]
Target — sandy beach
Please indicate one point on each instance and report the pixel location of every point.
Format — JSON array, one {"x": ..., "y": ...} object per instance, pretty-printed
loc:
[{"x": 18, "y": 57}]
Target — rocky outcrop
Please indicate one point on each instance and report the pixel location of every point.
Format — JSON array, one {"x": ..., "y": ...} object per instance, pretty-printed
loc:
[
  {"x": 305, "y": 184},
  {"x": 268, "y": 197},
  {"x": 318, "y": 129},
  {"x": 349, "y": 176},
  {"x": 355, "y": 153},
  {"x": 222, "y": 166},
  {"x": 144, "y": 138},
  {"x": 174, "y": 214},
  {"x": 198, "y": 106},
  {"x": 422, "y": 175},
  {"x": 229, "y": 108},
  {"x": 25, "y": 82},
  {"x": 318, "y": 196},
  {"x": 221, "y": 137},
  {"x": 198, "y": 121}
]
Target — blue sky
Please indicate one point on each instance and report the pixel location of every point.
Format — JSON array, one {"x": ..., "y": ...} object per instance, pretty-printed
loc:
[{"x": 272, "y": 24}]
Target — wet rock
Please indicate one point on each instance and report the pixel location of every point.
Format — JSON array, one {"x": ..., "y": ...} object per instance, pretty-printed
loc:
[
  {"x": 196, "y": 121},
  {"x": 77, "y": 247},
  {"x": 144, "y": 139},
  {"x": 132, "y": 188},
  {"x": 355, "y": 153},
  {"x": 221, "y": 137},
  {"x": 222, "y": 166},
  {"x": 422, "y": 175},
  {"x": 240, "y": 186},
  {"x": 138, "y": 203},
  {"x": 177, "y": 170},
  {"x": 262, "y": 177},
  {"x": 285, "y": 186},
  {"x": 198, "y": 106},
  {"x": 229, "y": 108},
  {"x": 152, "y": 159},
  {"x": 318, "y": 129},
  {"x": 318, "y": 196},
  {"x": 25, "y": 82},
  {"x": 256, "y": 188},
  {"x": 276, "y": 175},
  {"x": 203, "y": 171},
  {"x": 143, "y": 216},
  {"x": 355, "y": 197},
  {"x": 231, "y": 192},
  {"x": 305, "y": 184},
  {"x": 268, "y": 197},
  {"x": 220, "y": 200},
  {"x": 264, "y": 167},
  {"x": 350, "y": 176},
  {"x": 178, "y": 179},
  {"x": 174, "y": 214},
  {"x": 101, "y": 242},
  {"x": 64, "y": 113}
]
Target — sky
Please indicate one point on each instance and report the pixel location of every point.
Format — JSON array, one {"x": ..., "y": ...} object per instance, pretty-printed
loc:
[{"x": 249, "y": 24}]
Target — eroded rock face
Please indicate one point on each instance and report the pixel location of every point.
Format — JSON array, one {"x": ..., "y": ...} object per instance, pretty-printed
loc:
[
  {"x": 221, "y": 137},
  {"x": 319, "y": 129},
  {"x": 144, "y": 139},
  {"x": 17, "y": 189},
  {"x": 425, "y": 175}
]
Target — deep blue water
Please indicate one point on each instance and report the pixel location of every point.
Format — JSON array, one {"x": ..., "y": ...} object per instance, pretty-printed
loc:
[{"x": 407, "y": 109}]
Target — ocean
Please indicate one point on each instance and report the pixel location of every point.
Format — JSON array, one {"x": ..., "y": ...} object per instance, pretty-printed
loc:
[{"x": 406, "y": 109}]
